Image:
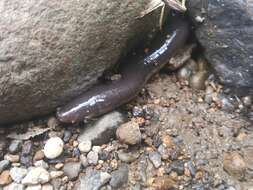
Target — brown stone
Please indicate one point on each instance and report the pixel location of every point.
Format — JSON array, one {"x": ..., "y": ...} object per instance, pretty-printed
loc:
[
  {"x": 5, "y": 178},
  {"x": 167, "y": 141},
  {"x": 129, "y": 133},
  {"x": 164, "y": 183},
  {"x": 12, "y": 158},
  {"x": 234, "y": 164},
  {"x": 39, "y": 155}
]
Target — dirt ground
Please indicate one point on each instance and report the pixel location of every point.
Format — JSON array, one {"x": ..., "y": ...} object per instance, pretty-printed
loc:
[{"x": 199, "y": 145}]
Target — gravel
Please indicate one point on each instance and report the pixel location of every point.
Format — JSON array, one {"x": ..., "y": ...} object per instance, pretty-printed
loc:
[{"x": 174, "y": 137}]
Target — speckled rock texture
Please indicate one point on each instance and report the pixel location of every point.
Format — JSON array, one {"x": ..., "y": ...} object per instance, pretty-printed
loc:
[
  {"x": 51, "y": 51},
  {"x": 226, "y": 35}
]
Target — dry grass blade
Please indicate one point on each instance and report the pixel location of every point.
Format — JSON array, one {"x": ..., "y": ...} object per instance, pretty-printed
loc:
[
  {"x": 176, "y": 4},
  {"x": 153, "y": 5}
]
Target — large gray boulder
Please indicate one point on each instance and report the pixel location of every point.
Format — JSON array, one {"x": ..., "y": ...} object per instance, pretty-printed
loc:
[
  {"x": 227, "y": 37},
  {"x": 51, "y": 51}
]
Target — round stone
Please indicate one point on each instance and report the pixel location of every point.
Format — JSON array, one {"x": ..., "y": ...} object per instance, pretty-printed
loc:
[
  {"x": 129, "y": 133},
  {"x": 85, "y": 146},
  {"x": 53, "y": 147}
]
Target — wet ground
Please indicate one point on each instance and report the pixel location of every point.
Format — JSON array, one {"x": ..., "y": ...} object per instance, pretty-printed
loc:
[{"x": 172, "y": 137}]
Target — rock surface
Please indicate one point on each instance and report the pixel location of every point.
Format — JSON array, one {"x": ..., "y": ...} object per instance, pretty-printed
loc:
[
  {"x": 67, "y": 44},
  {"x": 226, "y": 35}
]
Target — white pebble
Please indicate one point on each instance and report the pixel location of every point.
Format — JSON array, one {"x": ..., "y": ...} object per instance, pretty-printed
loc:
[
  {"x": 85, "y": 146},
  {"x": 96, "y": 149},
  {"x": 53, "y": 147}
]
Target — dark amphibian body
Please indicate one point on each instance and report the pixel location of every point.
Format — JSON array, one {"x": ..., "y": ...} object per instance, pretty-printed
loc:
[{"x": 107, "y": 96}]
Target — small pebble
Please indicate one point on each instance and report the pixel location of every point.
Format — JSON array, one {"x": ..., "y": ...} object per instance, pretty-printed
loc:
[
  {"x": 52, "y": 122},
  {"x": 92, "y": 157},
  {"x": 156, "y": 159},
  {"x": 12, "y": 158},
  {"x": 96, "y": 149},
  {"x": 66, "y": 136},
  {"x": 164, "y": 183},
  {"x": 76, "y": 152},
  {"x": 84, "y": 160},
  {"x": 5, "y": 178},
  {"x": 128, "y": 156},
  {"x": 191, "y": 168},
  {"x": 41, "y": 163},
  {"x": 85, "y": 146},
  {"x": 65, "y": 179},
  {"x": 59, "y": 166},
  {"x": 27, "y": 148},
  {"x": 129, "y": 133},
  {"x": 178, "y": 167},
  {"x": 53, "y": 147},
  {"x": 137, "y": 111},
  {"x": 197, "y": 81},
  {"x": 26, "y": 160},
  {"x": 75, "y": 143},
  {"x": 247, "y": 101},
  {"x": 104, "y": 155},
  {"x": 39, "y": 155},
  {"x": 56, "y": 174},
  {"x": 15, "y": 146},
  {"x": 234, "y": 164},
  {"x": 4, "y": 164}
]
